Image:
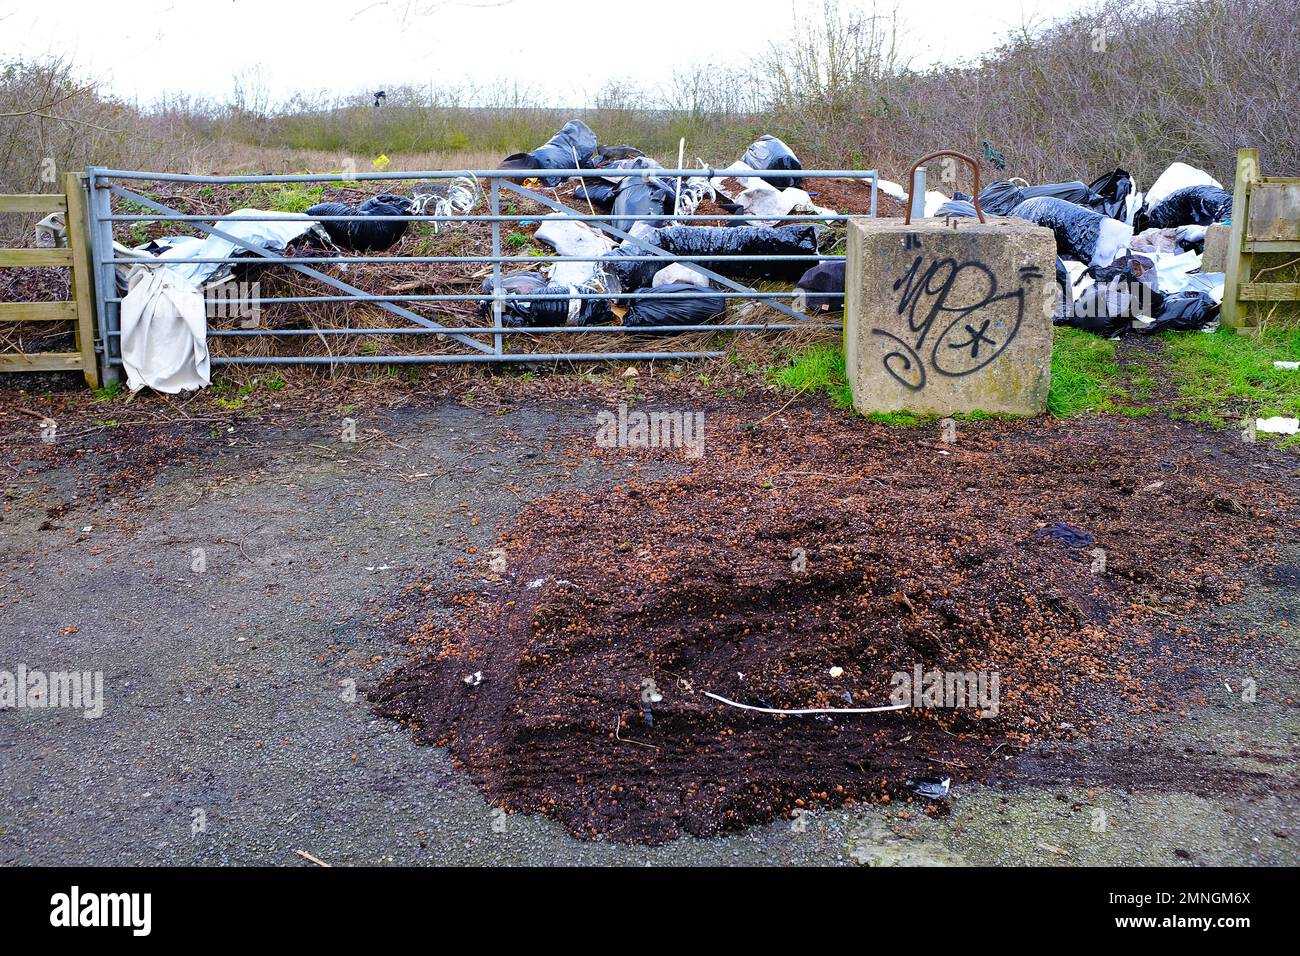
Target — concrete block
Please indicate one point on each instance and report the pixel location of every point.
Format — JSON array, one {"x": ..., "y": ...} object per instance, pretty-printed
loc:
[{"x": 940, "y": 320}]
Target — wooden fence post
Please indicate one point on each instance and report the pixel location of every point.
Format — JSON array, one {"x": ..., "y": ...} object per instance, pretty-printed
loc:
[
  {"x": 83, "y": 273},
  {"x": 1237, "y": 269}
]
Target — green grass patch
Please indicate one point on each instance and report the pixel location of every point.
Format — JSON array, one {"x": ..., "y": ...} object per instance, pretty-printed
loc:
[
  {"x": 106, "y": 393},
  {"x": 287, "y": 197},
  {"x": 817, "y": 369},
  {"x": 1085, "y": 374},
  {"x": 1223, "y": 377}
]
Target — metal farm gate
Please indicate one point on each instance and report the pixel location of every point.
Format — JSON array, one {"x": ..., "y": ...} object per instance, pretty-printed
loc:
[{"x": 478, "y": 343}]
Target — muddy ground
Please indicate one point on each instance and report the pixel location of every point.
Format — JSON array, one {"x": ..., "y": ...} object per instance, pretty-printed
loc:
[{"x": 239, "y": 722}]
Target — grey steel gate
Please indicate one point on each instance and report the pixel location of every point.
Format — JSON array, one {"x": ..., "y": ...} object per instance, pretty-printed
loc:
[{"x": 484, "y": 343}]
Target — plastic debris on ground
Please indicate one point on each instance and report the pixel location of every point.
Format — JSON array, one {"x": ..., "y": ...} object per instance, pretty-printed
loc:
[
  {"x": 1065, "y": 535},
  {"x": 1278, "y": 425},
  {"x": 932, "y": 788}
]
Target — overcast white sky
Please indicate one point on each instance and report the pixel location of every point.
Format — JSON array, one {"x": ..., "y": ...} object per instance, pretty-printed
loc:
[{"x": 140, "y": 47}]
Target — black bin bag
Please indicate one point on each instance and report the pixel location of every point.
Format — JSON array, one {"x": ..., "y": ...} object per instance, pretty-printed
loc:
[
  {"x": 1190, "y": 206},
  {"x": 1110, "y": 194},
  {"x": 523, "y": 313},
  {"x": 627, "y": 273},
  {"x": 682, "y": 306},
  {"x": 575, "y": 138},
  {"x": 360, "y": 235},
  {"x": 822, "y": 288},
  {"x": 1065, "y": 295},
  {"x": 999, "y": 198},
  {"x": 957, "y": 208},
  {"x": 598, "y": 192},
  {"x": 636, "y": 196},
  {"x": 1076, "y": 229},
  {"x": 1104, "y": 308},
  {"x": 707, "y": 241},
  {"x": 768, "y": 152},
  {"x": 1183, "y": 312}
]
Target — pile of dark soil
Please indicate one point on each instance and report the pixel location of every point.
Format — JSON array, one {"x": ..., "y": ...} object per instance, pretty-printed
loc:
[{"x": 918, "y": 552}]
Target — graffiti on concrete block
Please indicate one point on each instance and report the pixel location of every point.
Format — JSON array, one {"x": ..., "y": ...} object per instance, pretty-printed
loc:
[{"x": 948, "y": 331}]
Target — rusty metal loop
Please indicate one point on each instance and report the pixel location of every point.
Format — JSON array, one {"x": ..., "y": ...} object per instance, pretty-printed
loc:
[{"x": 911, "y": 180}]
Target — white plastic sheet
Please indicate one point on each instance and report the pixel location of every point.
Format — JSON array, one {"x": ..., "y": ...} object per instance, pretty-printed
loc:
[
  {"x": 570, "y": 238},
  {"x": 273, "y": 235},
  {"x": 164, "y": 324},
  {"x": 164, "y": 334}
]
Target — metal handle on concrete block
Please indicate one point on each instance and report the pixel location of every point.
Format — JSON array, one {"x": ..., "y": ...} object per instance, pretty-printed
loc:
[{"x": 911, "y": 178}]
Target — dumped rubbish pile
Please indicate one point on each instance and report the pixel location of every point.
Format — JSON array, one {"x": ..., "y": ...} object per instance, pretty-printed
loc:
[
  {"x": 1127, "y": 260},
  {"x": 608, "y": 269}
]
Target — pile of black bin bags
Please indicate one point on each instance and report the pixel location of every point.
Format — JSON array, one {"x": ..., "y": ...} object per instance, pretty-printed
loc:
[
  {"x": 1113, "y": 243},
  {"x": 622, "y": 275}
]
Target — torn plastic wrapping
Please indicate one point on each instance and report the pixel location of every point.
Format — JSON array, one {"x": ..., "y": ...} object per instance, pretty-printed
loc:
[
  {"x": 575, "y": 139},
  {"x": 361, "y": 235},
  {"x": 768, "y": 152},
  {"x": 273, "y": 234},
  {"x": 762, "y": 199},
  {"x": 1080, "y": 233},
  {"x": 682, "y": 306},
  {"x": 1111, "y": 194}
]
